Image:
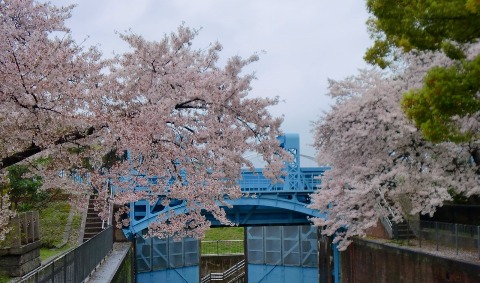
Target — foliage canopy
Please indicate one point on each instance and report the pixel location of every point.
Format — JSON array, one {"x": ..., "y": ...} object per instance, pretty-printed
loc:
[
  {"x": 449, "y": 93},
  {"x": 184, "y": 119}
]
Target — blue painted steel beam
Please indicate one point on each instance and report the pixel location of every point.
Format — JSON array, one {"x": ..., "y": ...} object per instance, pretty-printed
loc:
[
  {"x": 283, "y": 203},
  {"x": 268, "y": 209}
]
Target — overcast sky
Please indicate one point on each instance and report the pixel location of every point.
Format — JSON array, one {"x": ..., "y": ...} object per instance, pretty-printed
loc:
[{"x": 305, "y": 42}]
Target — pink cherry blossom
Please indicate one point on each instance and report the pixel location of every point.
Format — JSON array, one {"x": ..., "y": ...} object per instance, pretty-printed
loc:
[
  {"x": 184, "y": 119},
  {"x": 379, "y": 157}
]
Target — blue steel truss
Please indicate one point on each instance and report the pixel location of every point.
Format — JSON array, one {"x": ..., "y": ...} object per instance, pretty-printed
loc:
[{"x": 264, "y": 203}]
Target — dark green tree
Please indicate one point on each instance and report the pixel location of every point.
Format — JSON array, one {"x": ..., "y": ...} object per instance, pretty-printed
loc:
[
  {"x": 23, "y": 189},
  {"x": 449, "y": 94},
  {"x": 421, "y": 25}
]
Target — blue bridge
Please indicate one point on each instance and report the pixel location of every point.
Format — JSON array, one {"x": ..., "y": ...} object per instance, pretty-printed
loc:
[{"x": 281, "y": 242}]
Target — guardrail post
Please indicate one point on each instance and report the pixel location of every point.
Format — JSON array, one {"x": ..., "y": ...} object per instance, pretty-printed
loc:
[
  {"x": 478, "y": 240},
  {"x": 53, "y": 271},
  {"x": 456, "y": 237},
  {"x": 408, "y": 232},
  {"x": 74, "y": 270},
  {"x": 420, "y": 233}
]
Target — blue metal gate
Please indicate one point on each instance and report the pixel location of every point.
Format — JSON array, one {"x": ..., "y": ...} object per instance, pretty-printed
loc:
[
  {"x": 167, "y": 260},
  {"x": 282, "y": 254}
]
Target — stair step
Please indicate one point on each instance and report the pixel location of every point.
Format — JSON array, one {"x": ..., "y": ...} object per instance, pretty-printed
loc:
[
  {"x": 93, "y": 222},
  {"x": 90, "y": 235},
  {"x": 92, "y": 232},
  {"x": 93, "y": 215},
  {"x": 93, "y": 226},
  {"x": 402, "y": 231},
  {"x": 96, "y": 227}
]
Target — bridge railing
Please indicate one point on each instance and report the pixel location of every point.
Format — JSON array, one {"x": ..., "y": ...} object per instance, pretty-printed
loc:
[
  {"x": 77, "y": 264},
  {"x": 255, "y": 182}
]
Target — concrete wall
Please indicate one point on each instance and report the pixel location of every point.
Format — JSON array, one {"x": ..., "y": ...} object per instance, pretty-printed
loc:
[
  {"x": 19, "y": 261},
  {"x": 262, "y": 273},
  {"x": 125, "y": 272},
  {"x": 369, "y": 261},
  {"x": 178, "y": 275},
  {"x": 378, "y": 231},
  {"x": 217, "y": 263}
]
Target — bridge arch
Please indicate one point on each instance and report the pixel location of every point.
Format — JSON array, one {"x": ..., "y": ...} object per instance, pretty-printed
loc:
[
  {"x": 263, "y": 209},
  {"x": 263, "y": 203}
]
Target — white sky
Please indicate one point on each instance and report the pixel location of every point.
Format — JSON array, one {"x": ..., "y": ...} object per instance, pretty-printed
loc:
[{"x": 306, "y": 42}]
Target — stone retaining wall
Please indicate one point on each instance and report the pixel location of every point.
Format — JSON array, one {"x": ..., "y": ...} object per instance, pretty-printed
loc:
[{"x": 371, "y": 261}]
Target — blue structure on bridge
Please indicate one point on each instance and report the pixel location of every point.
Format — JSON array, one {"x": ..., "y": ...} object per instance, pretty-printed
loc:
[{"x": 280, "y": 204}]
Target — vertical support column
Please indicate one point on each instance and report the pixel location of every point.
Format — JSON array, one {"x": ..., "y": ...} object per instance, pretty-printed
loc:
[
  {"x": 36, "y": 225},
  {"x": 30, "y": 226},
  {"x": 245, "y": 252},
  {"x": 24, "y": 229},
  {"x": 336, "y": 263},
  {"x": 478, "y": 240}
]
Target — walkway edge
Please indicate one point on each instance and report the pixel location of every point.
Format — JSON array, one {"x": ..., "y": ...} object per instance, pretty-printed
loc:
[{"x": 107, "y": 270}]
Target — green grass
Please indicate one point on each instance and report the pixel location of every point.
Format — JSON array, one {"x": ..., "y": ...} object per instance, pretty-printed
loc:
[
  {"x": 4, "y": 279},
  {"x": 222, "y": 247},
  {"x": 224, "y": 233},
  {"x": 217, "y": 241},
  {"x": 53, "y": 219},
  {"x": 48, "y": 253}
]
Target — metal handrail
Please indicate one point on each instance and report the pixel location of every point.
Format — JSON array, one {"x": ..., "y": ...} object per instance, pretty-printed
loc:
[
  {"x": 385, "y": 220},
  {"x": 234, "y": 270},
  {"x": 386, "y": 212},
  {"x": 77, "y": 264}
]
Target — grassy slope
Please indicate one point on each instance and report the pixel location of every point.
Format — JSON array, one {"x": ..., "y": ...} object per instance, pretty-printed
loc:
[
  {"x": 53, "y": 219},
  {"x": 224, "y": 233}
]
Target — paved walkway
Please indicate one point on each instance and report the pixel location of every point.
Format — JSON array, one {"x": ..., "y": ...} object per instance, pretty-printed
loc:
[{"x": 109, "y": 267}]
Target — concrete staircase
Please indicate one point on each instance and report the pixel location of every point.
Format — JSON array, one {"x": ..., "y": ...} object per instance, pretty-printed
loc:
[
  {"x": 235, "y": 274},
  {"x": 402, "y": 231},
  {"x": 93, "y": 223}
]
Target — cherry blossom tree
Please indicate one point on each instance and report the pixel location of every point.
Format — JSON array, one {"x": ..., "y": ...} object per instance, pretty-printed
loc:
[
  {"x": 46, "y": 78},
  {"x": 187, "y": 122},
  {"x": 183, "y": 120},
  {"x": 46, "y": 82},
  {"x": 382, "y": 166},
  {"x": 5, "y": 215}
]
